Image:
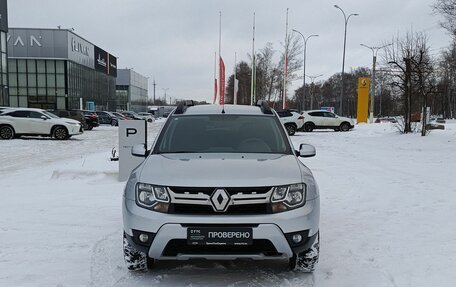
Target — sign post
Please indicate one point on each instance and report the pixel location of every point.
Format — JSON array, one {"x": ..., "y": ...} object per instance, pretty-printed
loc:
[
  {"x": 363, "y": 99},
  {"x": 131, "y": 133}
]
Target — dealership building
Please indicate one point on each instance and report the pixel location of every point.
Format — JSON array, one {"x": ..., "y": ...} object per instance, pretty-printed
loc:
[
  {"x": 131, "y": 90},
  {"x": 3, "y": 54},
  {"x": 58, "y": 69}
]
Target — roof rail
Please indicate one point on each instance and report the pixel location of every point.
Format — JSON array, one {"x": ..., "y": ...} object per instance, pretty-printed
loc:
[
  {"x": 265, "y": 109},
  {"x": 182, "y": 107}
]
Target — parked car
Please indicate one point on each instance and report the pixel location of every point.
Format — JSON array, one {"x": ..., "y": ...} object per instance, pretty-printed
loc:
[
  {"x": 292, "y": 120},
  {"x": 75, "y": 115},
  {"x": 120, "y": 116},
  {"x": 241, "y": 191},
  {"x": 131, "y": 115},
  {"x": 91, "y": 119},
  {"x": 146, "y": 116},
  {"x": 25, "y": 121},
  {"x": 326, "y": 120},
  {"x": 385, "y": 120},
  {"x": 109, "y": 118}
]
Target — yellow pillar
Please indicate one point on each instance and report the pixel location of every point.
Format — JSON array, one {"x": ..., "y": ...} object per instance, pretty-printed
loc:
[{"x": 363, "y": 99}]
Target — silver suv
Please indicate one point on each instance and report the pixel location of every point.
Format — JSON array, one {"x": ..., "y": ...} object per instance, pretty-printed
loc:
[{"x": 222, "y": 183}]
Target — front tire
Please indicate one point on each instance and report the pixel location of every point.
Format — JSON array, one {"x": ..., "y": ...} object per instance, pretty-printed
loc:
[
  {"x": 309, "y": 127},
  {"x": 6, "y": 133},
  {"x": 291, "y": 129},
  {"x": 307, "y": 260},
  {"x": 345, "y": 127},
  {"x": 114, "y": 123},
  {"x": 135, "y": 259},
  {"x": 60, "y": 133}
]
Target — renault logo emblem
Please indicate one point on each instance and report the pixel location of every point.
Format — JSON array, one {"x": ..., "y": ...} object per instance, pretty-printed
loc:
[{"x": 220, "y": 200}]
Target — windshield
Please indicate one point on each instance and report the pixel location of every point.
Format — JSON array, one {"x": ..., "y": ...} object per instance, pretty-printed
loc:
[{"x": 223, "y": 134}]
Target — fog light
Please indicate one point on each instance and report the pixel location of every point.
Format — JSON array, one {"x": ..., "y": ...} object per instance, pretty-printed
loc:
[
  {"x": 297, "y": 238},
  {"x": 143, "y": 238}
]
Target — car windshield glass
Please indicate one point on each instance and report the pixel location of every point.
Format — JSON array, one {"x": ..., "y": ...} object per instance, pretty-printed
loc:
[
  {"x": 51, "y": 115},
  {"x": 223, "y": 134}
]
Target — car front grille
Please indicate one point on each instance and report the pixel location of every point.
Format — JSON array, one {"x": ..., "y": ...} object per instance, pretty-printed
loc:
[
  {"x": 259, "y": 246},
  {"x": 199, "y": 200}
]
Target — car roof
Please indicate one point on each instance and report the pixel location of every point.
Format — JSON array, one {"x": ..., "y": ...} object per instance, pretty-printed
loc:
[
  {"x": 317, "y": 111},
  {"x": 228, "y": 109},
  {"x": 24, "y": 109}
]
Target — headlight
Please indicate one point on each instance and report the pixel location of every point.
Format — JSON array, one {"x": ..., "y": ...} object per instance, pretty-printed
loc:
[
  {"x": 152, "y": 197},
  {"x": 288, "y": 197},
  {"x": 72, "y": 123}
]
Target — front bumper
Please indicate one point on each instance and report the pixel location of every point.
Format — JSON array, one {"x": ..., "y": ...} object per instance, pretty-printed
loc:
[
  {"x": 277, "y": 229},
  {"x": 75, "y": 130}
]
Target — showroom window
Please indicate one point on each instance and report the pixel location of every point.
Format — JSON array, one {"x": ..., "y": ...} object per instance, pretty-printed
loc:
[{"x": 37, "y": 83}]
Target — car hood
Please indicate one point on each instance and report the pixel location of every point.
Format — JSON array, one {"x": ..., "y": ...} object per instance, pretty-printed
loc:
[
  {"x": 220, "y": 170},
  {"x": 346, "y": 119},
  {"x": 67, "y": 120}
]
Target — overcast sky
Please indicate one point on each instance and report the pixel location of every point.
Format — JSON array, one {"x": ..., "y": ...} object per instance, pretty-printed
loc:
[{"x": 175, "y": 40}]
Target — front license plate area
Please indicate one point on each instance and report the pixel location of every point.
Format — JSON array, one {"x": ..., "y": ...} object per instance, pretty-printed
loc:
[{"x": 219, "y": 236}]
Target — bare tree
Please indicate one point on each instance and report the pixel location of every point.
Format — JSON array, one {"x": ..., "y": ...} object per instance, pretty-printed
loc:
[
  {"x": 447, "y": 8},
  {"x": 445, "y": 102},
  {"x": 266, "y": 72},
  {"x": 412, "y": 70}
]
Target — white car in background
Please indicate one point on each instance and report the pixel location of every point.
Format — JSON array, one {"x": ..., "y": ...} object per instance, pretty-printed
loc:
[
  {"x": 146, "y": 116},
  {"x": 292, "y": 120},
  {"x": 26, "y": 121},
  {"x": 326, "y": 120}
]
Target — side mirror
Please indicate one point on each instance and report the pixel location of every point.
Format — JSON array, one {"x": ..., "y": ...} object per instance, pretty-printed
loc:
[
  {"x": 307, "y": 150},
  {"x": 43, "y": 117},
  {"x": 139, "y": 150}
]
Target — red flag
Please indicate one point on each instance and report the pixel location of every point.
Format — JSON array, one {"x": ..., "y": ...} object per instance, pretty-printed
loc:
[
  {"x": 215, "y": 90},
  {"x": 222, "y": 82}
]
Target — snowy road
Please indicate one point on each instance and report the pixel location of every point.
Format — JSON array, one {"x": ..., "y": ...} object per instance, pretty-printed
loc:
[{"x": 388, "y": 215}]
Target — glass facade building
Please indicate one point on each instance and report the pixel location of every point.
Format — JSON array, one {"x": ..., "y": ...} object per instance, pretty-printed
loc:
[
  {"x": 57, "y": 69},
  {"x": 131, "y": 91}
]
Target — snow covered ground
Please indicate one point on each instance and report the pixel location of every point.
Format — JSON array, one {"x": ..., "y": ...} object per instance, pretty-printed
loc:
[{"x": 388, "y": 205}]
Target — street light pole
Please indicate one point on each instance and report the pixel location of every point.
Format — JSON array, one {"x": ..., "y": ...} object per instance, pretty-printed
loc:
[
  {"x": 304, "y": 66},
  {"x": 165, "y": 89},
  {"x": 312, "y": 80},
  {"x": 343, "y": 56},
  {"x": 374, "y": 61}
]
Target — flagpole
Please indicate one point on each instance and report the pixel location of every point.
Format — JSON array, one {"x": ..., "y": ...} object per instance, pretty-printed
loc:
[
  {"x": 215, "y": 78},
  {"x": 235, "y": 85},
  {"x": 220, "y": 50},
  {"x": 252, "y": 82},
  {"x": 285, "y": 74}
]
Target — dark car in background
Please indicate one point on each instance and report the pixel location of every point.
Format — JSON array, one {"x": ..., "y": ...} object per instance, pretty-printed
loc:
[
  {"x": 132, "y": 115},
  {"x": 91, "y": 118},
  {"x": 120, "y": 116},
  {"x": 75, "y": 115},
  {"x": 107, "y": 118}
]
